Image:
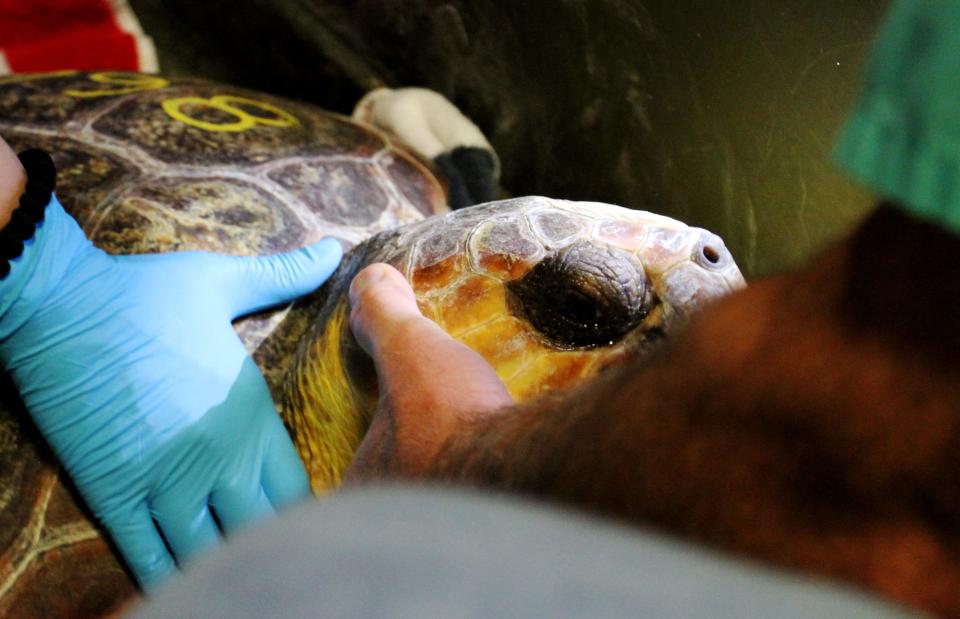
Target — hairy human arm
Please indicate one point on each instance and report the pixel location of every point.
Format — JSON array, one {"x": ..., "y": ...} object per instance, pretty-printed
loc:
[{"x": 810, "y": 420}]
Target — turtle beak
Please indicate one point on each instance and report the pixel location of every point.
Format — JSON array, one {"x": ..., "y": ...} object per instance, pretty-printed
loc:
[{"x": 711, "y": 273}]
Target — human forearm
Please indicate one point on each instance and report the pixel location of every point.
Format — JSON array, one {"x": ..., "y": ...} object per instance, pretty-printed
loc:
[
  {"x": 810, "y": 420},
  {"x": 601, "y": 447},
  {"x": 12, "y": 181}
]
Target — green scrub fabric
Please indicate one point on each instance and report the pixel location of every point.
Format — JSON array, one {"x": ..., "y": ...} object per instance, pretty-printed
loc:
[{"x": 903, "y": 139}]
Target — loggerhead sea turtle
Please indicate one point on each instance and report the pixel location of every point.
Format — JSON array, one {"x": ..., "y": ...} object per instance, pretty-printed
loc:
[{"x": 548, "y": 291}]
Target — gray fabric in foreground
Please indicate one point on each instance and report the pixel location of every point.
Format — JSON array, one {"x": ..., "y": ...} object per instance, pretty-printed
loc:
[{"x": 415, "y": 552}]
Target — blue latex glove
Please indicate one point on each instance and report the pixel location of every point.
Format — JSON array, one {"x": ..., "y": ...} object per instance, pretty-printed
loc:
[{"x": 132, "y": 371}]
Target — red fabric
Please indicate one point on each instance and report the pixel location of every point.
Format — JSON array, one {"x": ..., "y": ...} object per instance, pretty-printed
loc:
[{"x": 51, "y": 35}]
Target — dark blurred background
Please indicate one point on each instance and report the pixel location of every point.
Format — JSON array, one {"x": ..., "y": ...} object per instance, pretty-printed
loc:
[{"x": 718, "y": 113}]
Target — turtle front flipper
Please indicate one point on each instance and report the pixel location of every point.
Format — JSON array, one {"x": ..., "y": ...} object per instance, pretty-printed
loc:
[{"x": 436, "y": 131}]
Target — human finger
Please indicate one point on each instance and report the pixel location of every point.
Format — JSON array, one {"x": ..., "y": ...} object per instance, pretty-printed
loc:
[
  {"x": 284, "y": 478},
  {"x": 240, "y": 503},
  {"x": 254, "y": 283},
  {"x": 188, "y": 530},
  {"x": 138, "y": 540},
  {"x": 381, "y": 300}
]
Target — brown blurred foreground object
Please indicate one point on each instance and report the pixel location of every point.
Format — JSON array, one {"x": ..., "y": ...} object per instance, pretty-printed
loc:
[{"x": 812, "y": 421}]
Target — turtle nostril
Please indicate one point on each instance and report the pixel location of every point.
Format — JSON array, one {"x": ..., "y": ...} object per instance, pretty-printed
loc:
[{"x": 711, "y": 253}]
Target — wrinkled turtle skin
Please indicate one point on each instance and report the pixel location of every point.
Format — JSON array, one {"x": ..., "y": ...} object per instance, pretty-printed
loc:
[{"x": 548, "y": 291}]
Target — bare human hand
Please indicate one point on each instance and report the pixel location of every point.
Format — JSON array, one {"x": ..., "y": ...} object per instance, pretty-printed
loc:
[{"x": 432, "y": 387}]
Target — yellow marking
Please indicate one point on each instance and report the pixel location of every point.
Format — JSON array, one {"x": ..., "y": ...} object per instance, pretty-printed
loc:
[
  {"x": 31, "y": 77},
  {"x": 551, "y": 370},
  {"x": 126, "y": 84},
  {"x": 473, "y": 301},
  {"x": 322, "y": 409},
  {"x": 504, "y": 342},
  {"x": 244, "y": 122},
  {"x": 428, "y": 308}
]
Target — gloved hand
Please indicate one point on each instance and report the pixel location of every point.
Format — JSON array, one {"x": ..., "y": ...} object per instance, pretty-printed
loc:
[{"x": 133, "y": 373}]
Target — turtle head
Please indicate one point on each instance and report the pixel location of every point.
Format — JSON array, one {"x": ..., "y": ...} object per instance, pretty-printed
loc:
[{"x": 549, "y": 292}]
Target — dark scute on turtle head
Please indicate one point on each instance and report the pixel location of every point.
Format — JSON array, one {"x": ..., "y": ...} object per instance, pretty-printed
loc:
[
  {"x": 583, "y": 296},
  {"x": 470, "y": 176}
]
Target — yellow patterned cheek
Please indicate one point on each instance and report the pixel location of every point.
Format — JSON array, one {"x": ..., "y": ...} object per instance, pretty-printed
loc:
[
  {"x": 475, "y": 302},
  {"x": 323, "y": 410},
  {"x": 506, "y": 344},
  {"x": 526, "y": 366},
  {"x": 477, "y": 313},
  {"x": 548, "y": 370}
]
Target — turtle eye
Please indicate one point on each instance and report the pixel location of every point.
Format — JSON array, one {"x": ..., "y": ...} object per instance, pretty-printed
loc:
[{"x": 583, "y": 296}]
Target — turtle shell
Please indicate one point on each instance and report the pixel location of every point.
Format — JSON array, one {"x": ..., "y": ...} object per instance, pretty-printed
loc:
[{"x": 150, "y": 164}]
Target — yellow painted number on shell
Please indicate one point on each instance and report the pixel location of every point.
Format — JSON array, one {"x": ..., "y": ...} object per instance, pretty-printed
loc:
[
  {"x": 124, "y": 84},
  {"x": 227, "y": 104},
  {"x": 31, "y": 77}
]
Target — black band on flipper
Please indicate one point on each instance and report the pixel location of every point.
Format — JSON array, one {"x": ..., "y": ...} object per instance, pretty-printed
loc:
[
  {"x": 458, "y": 196},
  {"x": 41, "y": 181},
  {"x": 477, "y": 167},
  {"x": 469, "y": 173}
]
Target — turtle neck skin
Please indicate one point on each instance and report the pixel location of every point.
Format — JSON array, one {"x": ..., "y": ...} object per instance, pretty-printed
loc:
[{"x": 12, "y": 180}]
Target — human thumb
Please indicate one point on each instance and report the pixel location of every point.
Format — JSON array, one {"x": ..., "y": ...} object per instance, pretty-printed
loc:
[{"x": 256, "y": 283}]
